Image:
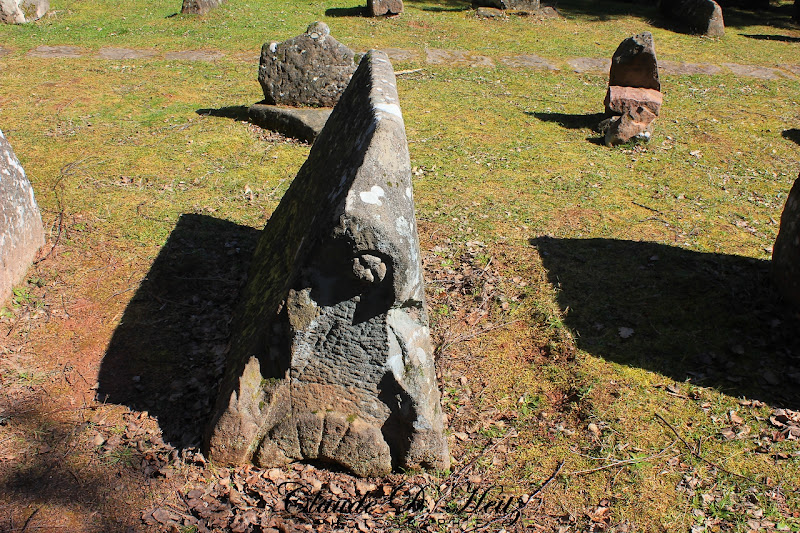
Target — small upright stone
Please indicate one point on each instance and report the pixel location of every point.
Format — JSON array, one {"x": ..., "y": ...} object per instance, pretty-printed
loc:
[
  {"x": 199, "y": 7},
  {"x": 634, "y": 91},
  {"x": 22, "y": 11},
  {"x": 699, "y": 16},
  {"x": 331, "y": 357},
  {"x": 312, "y": 69},
  {"x": 379, "y": 8},
  {"x": 21, "y": 232},
  {"x": 634, "y": 63},
  {"x": 786, "y": 252}
]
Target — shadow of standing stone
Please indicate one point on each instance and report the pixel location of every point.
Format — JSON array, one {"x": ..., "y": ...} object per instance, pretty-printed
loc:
[
  {"x": 786, "y": 252},
  {"x": 21, "y": 231},
  {"x": 331, "y": 357}
]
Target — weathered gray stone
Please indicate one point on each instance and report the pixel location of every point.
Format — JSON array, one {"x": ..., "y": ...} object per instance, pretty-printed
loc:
[
  {"x": 700, "y": 16},
  {"x": 786, "y": 252},
  {"x": 199, "y": 7},
  {"x": 379, "y": 8},
  {"x": 22, "y": 11},
  {"x": 331, "y": 357},
  {"x": 521, "y": 5},
  {"x": 312, "y": 69},
  {"x": 21, "y": 232},
  {"x": 298, "y": 123},
  {"x": 634, "y": 63}
]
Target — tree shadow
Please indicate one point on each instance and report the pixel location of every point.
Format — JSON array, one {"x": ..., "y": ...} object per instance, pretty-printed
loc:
[
  {"x": 781, "y": 38},
  {"x": 355, "y": 11},
  {"x": 168, "y": 353},
  {"x": 792, "y": 134},
  {"x": 735, "y": 16},
  {"x": 235, "y": 112},
  {"x": 712, "y": 318},
  {"x": 570, "y": 121}
]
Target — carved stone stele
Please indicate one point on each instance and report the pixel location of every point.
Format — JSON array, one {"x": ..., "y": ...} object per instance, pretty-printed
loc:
[{"x": 331, "y": 357}]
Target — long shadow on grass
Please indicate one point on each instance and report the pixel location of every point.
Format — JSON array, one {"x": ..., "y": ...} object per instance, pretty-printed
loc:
[
  {"x": 792, "y": 134},
  {"x": 712, "y": 318},
  {"x": 235, "y": 112},
  {"x": 167, "y": 355},
  {"x": 573, "y": 122},
  {"x": 735, "y": 16}
]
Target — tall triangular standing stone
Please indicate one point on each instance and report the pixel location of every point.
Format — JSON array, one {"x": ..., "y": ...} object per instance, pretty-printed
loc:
[{"x": 331, "y": 357}]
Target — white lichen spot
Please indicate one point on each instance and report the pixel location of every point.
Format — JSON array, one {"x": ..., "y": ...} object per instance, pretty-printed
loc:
[
  {"x": 408, "y": 193},
  {"x": 273, "y": 47},
  {"x": 392, "y": 109},
  {"x": 403, "y": 227},
  {"x": 373, "y": 196}
]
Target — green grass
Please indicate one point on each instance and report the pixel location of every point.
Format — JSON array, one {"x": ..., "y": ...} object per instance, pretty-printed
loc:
[{"x": 504, "y": 156}]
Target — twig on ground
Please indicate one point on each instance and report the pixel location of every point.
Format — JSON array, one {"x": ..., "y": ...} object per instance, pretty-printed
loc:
[
  {"x": 700, "y": 457},
  {"x": 28, "y": 521},
  {"x": 621, "y": 463},
  {"x": 462, "y": 338}
]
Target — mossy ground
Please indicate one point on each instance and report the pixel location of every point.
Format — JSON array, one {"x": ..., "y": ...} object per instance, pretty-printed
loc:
[{"x": 670, "y": 240}]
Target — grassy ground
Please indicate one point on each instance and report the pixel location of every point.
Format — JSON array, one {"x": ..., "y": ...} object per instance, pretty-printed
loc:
[{"x": 559, "y": 242}]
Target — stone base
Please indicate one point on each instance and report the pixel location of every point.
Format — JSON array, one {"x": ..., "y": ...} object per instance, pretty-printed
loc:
[
  {"x": 199, "y": 7},
  {"x": 298, "y": 123}
]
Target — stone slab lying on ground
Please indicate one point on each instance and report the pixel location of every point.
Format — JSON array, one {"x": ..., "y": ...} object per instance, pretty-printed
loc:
[
  {"x": 436, "y": 56},
  {"x": 786, "y": 251},
  {"x": 331, "y": 357},
  {"x": 304, "y": 123},
  {"x": 753, "y": 71},
  {"x": 688, "y": 69},
  {"x": 699, "y": 16},
  {"x": 108, "y": 52},
  {"x": 634, "y": 63},
  {"x": 194, "y": 55},
  {"x": 312, "y": 69},
  {"x": 589, "y": 64},
  {"x": 22, "y": 11},
  {"x": 380, "y": 8},
  {"x": 528, "y": 61},
  {"x": 199, "y": 7},
  {"x": 56, "y": 51},
  {"x": 21, "y": 231}
]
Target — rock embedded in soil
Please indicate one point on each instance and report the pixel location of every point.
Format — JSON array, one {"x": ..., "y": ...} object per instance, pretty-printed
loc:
[
  {"x": 21, "y": 230},
  {"x": 379, "y": 8},
  {"x": 199, "y": 7},
  {"x": 331, "y": 358},
  {"x": 786, "y": 252},
  {"x": 22, "y": 11},
  {"x": 312, "y": 69}
]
